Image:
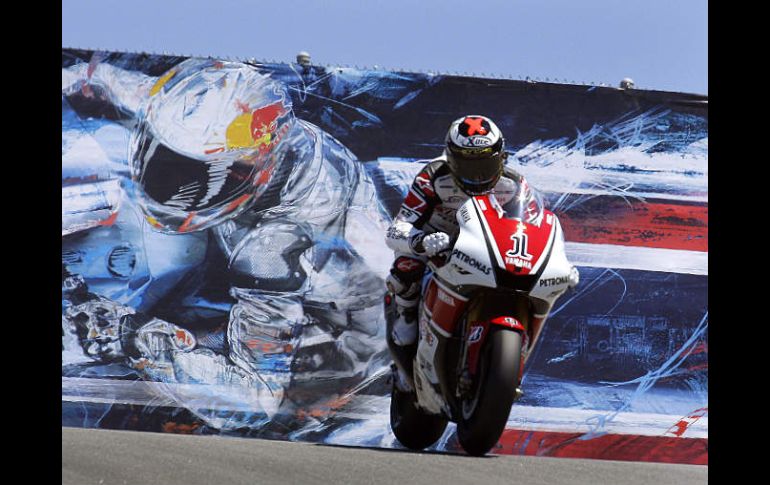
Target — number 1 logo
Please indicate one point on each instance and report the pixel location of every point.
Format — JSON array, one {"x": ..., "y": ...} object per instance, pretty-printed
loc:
[{"x": 519, "y": 249}]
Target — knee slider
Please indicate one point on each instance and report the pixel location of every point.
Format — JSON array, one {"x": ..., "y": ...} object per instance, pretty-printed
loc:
[{"x": 394, "y": 285}]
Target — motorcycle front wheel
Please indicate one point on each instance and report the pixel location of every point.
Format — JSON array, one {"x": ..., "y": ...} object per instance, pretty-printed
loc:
[
  {"x": 413, "y": 428},
  {"x": 485, "y": 413}
]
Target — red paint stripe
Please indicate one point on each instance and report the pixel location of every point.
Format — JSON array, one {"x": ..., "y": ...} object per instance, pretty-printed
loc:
[
  {"x": 237, "y": 202},
  {"x": 110, "y": 220},
  {"x": 186, "y": 224},
  {"x": 662, "y": 449},
  {"x": 610, "y": 220}
]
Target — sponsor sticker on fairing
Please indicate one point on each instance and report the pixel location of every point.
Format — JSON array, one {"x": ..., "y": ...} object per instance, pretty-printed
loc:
[
  {"x": 475, "y": 333},
  {"x": 443, "y": 296},
  {"x": 519, "y": 263},
  {"x": 470, "y": 261},
  {"x": 464, "y": 214},
  {"x": 509, "y": 322},
  {"x": 562, "y": 280}
]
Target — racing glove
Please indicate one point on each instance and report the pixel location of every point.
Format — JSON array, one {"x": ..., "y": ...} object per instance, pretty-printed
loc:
[{"x": 433, "y": 244}]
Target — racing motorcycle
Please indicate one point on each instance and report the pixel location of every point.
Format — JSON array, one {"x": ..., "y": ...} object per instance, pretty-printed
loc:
[{"x": 482, "y": 308}]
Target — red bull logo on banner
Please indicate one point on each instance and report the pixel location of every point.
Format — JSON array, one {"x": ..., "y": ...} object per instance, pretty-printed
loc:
[{"x": 260, "y": 128}]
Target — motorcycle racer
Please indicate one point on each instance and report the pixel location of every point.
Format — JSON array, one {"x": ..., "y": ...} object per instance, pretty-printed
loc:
[
  {"x": 219, "y": 164},
  {"x": 472, "y": 164}
]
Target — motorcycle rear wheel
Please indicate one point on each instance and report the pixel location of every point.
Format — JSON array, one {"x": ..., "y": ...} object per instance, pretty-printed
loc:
[
  {"x": 484, "y": 415},
  {"x": 413, "y": 428}
]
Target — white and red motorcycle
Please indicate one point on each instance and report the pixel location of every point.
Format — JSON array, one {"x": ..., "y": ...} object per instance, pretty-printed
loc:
[{"x": 482, "y": 311}]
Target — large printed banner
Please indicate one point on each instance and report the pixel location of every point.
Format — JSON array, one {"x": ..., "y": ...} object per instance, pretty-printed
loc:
[{"x": 223, "y": 254}]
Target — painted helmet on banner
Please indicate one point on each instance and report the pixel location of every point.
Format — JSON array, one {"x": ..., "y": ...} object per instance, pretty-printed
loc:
[
  {"x": 207, "y": 143},
  {"x": 475, "y": 153}
]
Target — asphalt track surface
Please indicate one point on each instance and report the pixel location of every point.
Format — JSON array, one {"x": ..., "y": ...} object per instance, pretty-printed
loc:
[{"x": 104, "y": 457}]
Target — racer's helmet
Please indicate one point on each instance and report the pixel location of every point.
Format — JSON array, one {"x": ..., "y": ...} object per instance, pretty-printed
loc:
[
  {"x": 475, "y": 153},
  {"x": 208, "y": 142}
]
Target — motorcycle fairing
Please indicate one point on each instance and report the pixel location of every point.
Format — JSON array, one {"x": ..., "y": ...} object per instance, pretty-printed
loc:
[
  {"x": 443, "y": 307},
  {"x": 502, "y": 292},
  {"x": 519, "y": 247}
]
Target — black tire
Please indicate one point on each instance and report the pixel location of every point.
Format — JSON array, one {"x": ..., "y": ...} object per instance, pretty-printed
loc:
[
  {"x": 413, "y": 428},
  {"x": 483, "y": 417}
]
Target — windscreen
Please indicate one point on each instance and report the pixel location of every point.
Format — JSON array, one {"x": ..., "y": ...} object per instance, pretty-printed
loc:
[{"x": 526, "y": 205}]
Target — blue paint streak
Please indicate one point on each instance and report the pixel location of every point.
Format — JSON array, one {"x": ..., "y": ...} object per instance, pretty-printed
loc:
[
  {"x": 523, "y": 447},
  {"x": 646, "y": 382}
]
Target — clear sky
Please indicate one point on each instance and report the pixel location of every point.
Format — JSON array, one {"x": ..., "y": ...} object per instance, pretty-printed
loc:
[{"x": 660, "y": 44}]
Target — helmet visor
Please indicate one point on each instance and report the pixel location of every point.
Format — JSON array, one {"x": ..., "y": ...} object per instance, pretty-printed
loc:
[
  {"x": 474, "y": 153},
  {"x": 476, "y": 175}
]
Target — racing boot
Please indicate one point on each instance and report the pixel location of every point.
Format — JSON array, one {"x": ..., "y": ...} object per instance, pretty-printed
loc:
[{"x": 401, "y": 335}]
